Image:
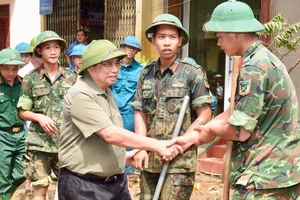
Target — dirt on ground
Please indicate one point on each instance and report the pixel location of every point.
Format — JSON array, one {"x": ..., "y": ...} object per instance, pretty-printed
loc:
[{"x": 207, "y": 187}]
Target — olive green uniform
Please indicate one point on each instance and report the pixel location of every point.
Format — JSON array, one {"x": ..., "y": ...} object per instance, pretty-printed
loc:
[
  {"x": 81, "y": 150},
  {"x": 12, "y": 137}
]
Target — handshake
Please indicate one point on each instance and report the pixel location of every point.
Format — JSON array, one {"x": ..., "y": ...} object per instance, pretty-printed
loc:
[{"x": 169, "y": 149}]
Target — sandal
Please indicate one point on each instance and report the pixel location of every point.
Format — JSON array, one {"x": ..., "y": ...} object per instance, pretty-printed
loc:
[{"x": 28, "y": 192}]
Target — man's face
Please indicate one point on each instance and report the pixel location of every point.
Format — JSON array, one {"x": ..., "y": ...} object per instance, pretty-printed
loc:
[
  {"x": 105, "y": 73},
  {"x": 50, "y": 51},
  {"x": 130, "y": 51},
  {"x": 167, "y": 41},
  {"x": 26, "y": 57},
  {"x": 80, "y": 37},
  {"x": 77, "y": 62},
  {"x": 9, "y": 72},
  {"x": 228, "y": 43}
]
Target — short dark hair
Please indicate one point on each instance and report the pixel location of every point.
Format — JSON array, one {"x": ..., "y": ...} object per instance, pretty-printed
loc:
[{"x": 79, "y": 30}]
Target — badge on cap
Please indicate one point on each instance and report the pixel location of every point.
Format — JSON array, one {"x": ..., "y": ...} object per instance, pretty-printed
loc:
[
  {"x": 244, "y": 86},
  {"x": 13, "y": 56}
]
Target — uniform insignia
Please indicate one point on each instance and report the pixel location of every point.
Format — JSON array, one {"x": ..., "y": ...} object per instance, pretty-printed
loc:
[
  {"x": 178, "y": 84},
  {"x": 48, "y": 34},
  {"x": 2, "y": 93},
  {"x": 13, "y": 56},
  {"x": 244, "y": 86}
]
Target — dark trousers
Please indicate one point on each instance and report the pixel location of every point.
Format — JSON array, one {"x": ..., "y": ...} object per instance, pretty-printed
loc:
[{"x": 71, "y": 186}]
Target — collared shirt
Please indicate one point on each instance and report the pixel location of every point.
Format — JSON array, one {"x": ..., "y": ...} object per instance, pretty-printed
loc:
[
  {"x": 266, "y": 106},
  {"x": 9, "y": 96},
  {"x": 160, "y": 96},
  {"x": 40, "y": 95},
  {"x": 72, "y": 69},
  {"x": 125, "y": 86},
  {"x": 69, "y": 50},
  {"x": 87, "y": 109}
]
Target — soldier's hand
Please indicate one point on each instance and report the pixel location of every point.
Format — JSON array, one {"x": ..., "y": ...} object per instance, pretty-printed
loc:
[
  {"x": 167, "y": 151},
  {"x": 140, "y": 158},
  {"x": 204, "y": 135},
  {"x": 48, "y": 125},
  {"x": 187, "y": 140}
]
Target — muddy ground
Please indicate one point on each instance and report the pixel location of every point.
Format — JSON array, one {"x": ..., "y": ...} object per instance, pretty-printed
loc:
[{"x": 207, "y": 187}]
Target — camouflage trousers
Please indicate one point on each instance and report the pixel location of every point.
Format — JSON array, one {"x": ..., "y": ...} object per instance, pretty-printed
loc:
[
  {"x": 288, "y": 193},
  {"x": 176, "y": 186},
  {"x": 38, "y": 167}
]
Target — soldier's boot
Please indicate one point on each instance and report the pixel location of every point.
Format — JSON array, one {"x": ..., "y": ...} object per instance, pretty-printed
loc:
[{"x": 40, "y": 192}]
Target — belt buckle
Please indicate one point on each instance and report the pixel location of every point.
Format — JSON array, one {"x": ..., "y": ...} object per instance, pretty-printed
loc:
[
  {"x": 16, "y": 129},
  {"x": 111, "y": 179}
]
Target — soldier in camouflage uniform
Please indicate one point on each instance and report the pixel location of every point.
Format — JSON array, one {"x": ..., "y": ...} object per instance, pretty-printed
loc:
[
  {"x": 12, "y": 132},
  {"x": 264, "y": 125},
  {"x": 41, "y": 101},
  {"x": 161, "y": 88}
]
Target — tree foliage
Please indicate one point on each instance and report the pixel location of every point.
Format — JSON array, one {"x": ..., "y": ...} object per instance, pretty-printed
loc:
[{"x": 284, "y": 37}]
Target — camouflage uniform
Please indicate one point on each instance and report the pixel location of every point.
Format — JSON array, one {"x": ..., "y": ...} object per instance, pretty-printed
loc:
[
  {"x": 160, "y": 96},
  {"x": 266, "y": 106},
  {"x": 39, "y": 95}
]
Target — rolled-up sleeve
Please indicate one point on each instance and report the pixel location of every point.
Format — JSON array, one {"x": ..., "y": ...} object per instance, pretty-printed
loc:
[
  {"x": 25, "y": 101},
  {"x": 239, "y": 118}
]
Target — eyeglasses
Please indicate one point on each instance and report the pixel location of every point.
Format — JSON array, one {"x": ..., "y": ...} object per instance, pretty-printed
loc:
[{"x": 108, "y": 65}]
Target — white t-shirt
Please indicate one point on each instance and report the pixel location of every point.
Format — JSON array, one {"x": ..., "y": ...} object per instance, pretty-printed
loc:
[{"x": 25, "y": 70}]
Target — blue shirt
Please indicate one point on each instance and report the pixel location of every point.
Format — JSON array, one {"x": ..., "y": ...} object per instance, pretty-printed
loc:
[
  {"x": 72, "y": 69},
  {"x": 69, "y": 50},
  {"x": 125, "y": 86}
]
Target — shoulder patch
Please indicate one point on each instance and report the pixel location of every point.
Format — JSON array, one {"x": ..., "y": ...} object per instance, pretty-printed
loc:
[
  {"x": 244, "y": 86},
  {"x": 150, "y": 64},
  {"x": 190, "y": 62},
  {"x": 33, "y": 70}
]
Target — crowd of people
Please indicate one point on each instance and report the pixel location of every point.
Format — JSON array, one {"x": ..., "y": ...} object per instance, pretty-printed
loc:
[{"x": 90, "y": 124}]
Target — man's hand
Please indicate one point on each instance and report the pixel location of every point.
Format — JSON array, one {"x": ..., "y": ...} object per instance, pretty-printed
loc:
[
  {"x": 167, "y": 150},
  {"x": 139, "y": 158},
  {"x": 185, "y": 141},
  {"x": 130, "y": 155},
  {"x": 205, "y": 135},
  {"x": 48, "y": 125}
]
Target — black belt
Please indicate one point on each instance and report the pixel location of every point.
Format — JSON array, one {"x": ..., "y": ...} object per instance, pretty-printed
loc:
[
  {"x": 14, "y": 129},
  {"x": 108, "y": 179}
]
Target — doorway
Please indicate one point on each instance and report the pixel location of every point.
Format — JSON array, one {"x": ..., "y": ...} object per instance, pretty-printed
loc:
[{"x": 4, "y": 27}]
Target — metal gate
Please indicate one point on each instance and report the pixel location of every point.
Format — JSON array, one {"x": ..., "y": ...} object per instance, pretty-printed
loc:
[
  {"x": 64, "y": 20},
  {"x": 119, "y": 20}
]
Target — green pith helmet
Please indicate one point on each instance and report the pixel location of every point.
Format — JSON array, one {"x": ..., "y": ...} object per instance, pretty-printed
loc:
[
  {"x": 32, "y": 44},
  {"x": 233, "y": 17},
  {"x": 167, "y": 19},
  {"x": 98, "y": 51},
  {"x": 48, "y": 36},
  {"x": 10, "y": 56}
]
